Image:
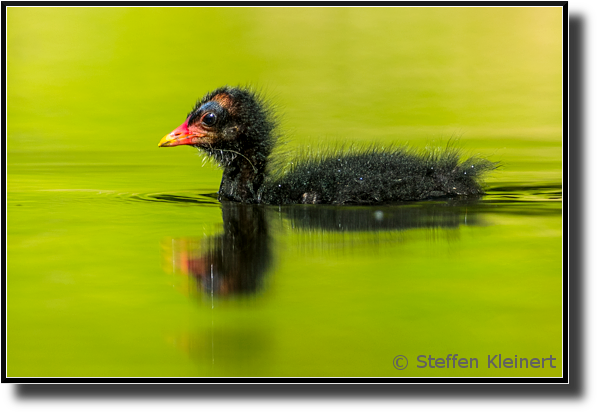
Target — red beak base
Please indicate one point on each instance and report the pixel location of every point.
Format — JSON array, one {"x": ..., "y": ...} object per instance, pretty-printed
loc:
[{"x": 180, "y": 136}]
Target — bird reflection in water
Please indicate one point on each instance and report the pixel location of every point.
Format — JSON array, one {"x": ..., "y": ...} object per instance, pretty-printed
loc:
[
  {"x": 231, "y": 263},
  {"x": 236, "y": 262}
]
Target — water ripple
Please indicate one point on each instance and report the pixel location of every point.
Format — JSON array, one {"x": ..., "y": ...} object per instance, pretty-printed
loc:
[
  {"x": 498, "y": 193},
  {"x": 516, "y": 192},
  {"x": 178, "y": 197}
]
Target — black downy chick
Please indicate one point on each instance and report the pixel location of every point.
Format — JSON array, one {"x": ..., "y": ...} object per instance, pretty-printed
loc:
[{"x": 237, "y": 128}]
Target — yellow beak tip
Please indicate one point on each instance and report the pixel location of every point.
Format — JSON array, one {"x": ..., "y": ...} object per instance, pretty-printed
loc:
[{"x": 164, "y": 141}]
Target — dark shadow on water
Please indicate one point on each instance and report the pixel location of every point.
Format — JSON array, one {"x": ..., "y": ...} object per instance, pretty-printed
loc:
[
  {"x": 235, "y": 262},
  {"x": 381, "y": 218}
]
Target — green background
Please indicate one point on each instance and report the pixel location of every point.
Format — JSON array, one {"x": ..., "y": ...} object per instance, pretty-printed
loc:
[{"x": 92, "y": 90}]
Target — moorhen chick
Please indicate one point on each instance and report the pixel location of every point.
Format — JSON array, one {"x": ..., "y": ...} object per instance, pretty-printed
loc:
[{"x": 237, "y": 128}]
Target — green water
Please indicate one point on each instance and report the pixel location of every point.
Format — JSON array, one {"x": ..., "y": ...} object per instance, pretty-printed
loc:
[{"x": 120, "y": 263}]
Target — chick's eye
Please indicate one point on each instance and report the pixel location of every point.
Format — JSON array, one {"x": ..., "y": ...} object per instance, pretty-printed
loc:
[{"x": 209, "y": 119}]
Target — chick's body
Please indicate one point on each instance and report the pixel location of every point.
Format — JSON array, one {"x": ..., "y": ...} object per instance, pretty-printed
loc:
[{"x": 237, "y": 128}]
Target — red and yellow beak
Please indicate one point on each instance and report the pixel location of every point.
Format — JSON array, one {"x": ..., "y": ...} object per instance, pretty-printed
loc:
[{"x": 181, "y": 136}]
